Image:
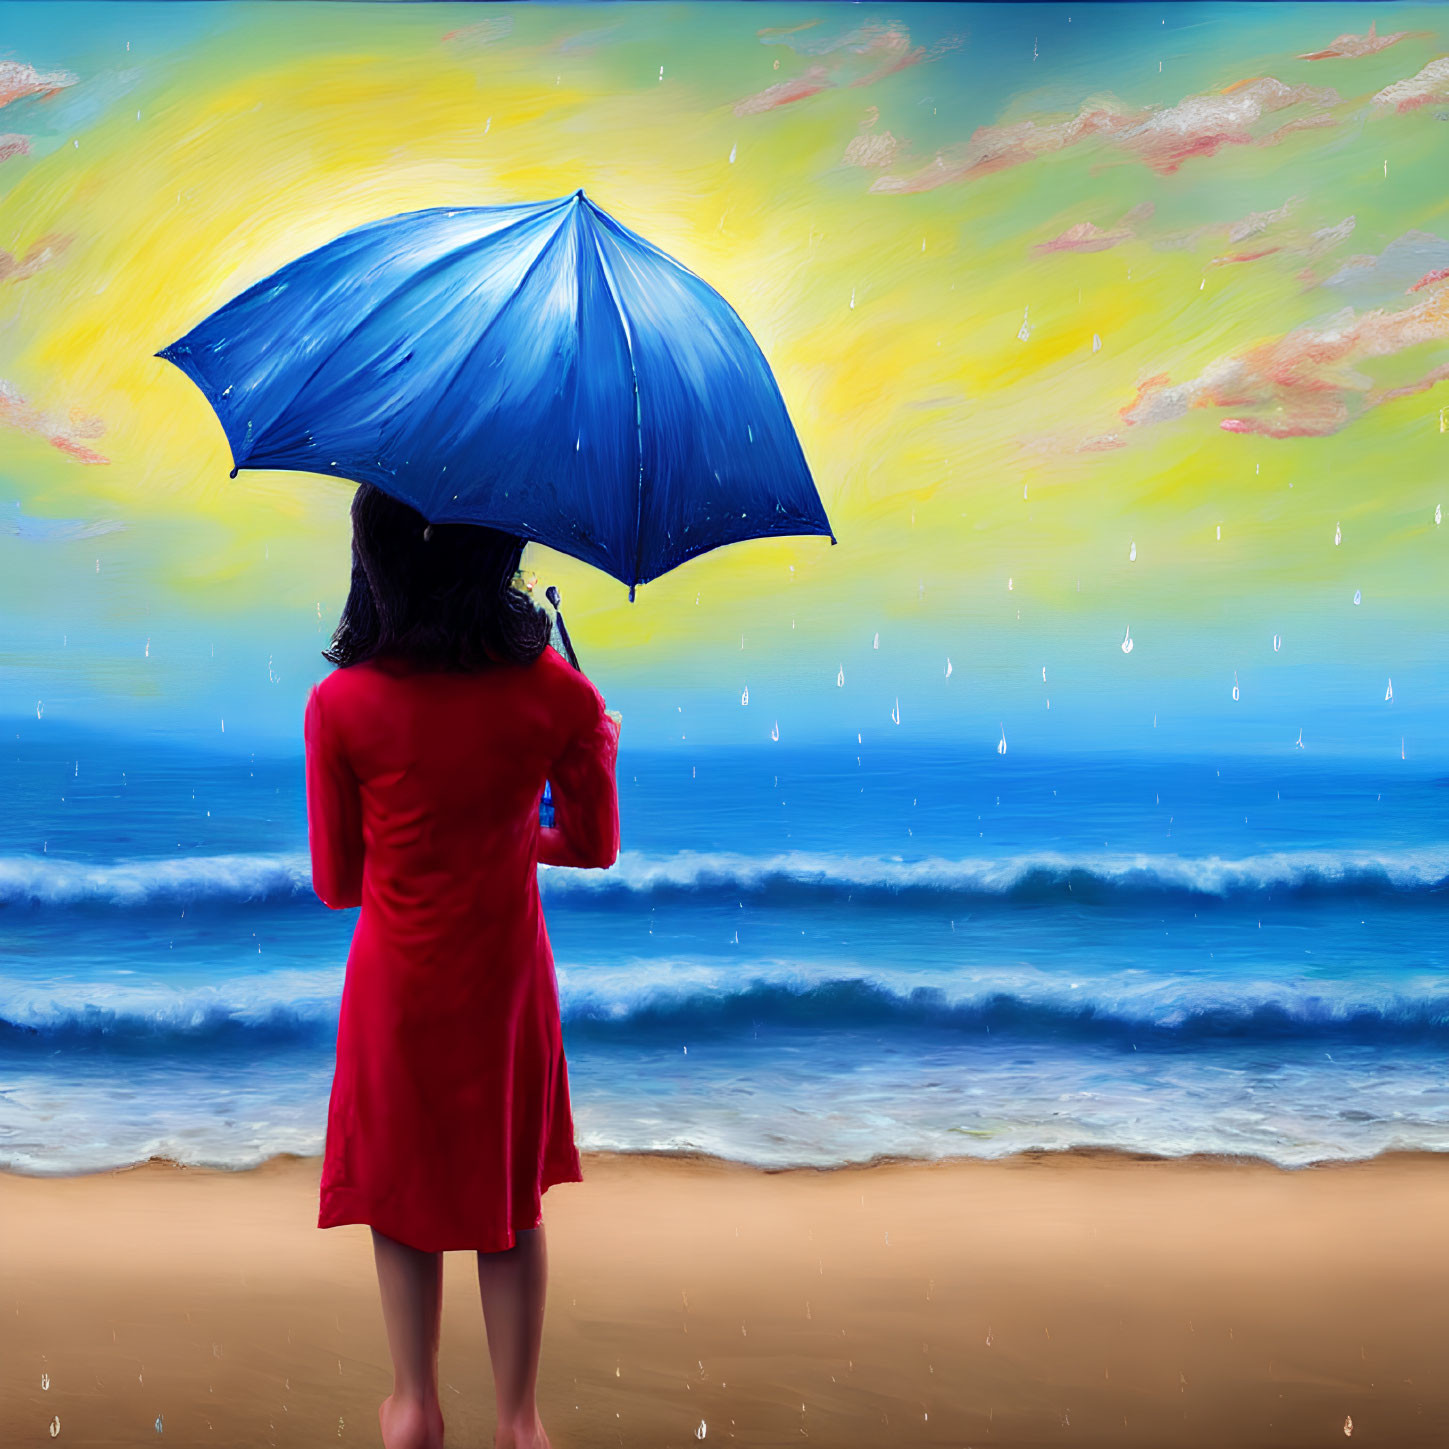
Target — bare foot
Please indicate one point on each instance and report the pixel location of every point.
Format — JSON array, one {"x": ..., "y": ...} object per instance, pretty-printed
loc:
[
  {"x": 521, "y": 1436},
  {"x": 409, "y": 1424}
]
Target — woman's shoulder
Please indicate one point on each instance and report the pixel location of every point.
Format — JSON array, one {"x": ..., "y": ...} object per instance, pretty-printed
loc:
[
  {"x": 575, "y": 691},
  {"x": 347, "y": 684}
]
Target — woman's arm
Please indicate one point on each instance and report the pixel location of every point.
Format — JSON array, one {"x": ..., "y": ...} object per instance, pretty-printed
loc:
[
  {"x": 586, "y": 800},
  {"x": 334, "y": 814}
]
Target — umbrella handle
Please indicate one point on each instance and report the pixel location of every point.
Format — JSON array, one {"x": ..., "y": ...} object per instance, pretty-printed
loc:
[{"x": 551, "y": 594}]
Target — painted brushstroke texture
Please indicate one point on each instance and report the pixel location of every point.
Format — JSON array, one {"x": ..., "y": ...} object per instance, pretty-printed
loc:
[
  {"x": 1031, "y": 279},
  {"x": 1344, "y": 46}
]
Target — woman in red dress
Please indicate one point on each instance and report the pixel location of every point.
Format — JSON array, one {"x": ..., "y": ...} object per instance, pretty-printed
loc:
[{"x": 427, "y": 753}]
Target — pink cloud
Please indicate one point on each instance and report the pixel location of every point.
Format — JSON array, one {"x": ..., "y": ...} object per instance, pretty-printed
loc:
[
  {"x": 13, "y": 145},
  {"x": 1202, "y": 125},
  {"x": 1304, "y": 383},
  {"x": 1437, "y": 375},
  {"x": 1084, "y": 237},
  {"x": 1345, "y": 46},
  {"x": 1231, "y": 258},
  {"x": 40, "y": 254},
  {"x": 883, "y": 48},
  {"x": 17, "y": 81},
  {"x": 815, "y": 80},
  {"x": 869, "y": 147},
  {"x": 16, "y": 412},
  {"x": 1161, "y": 139},
  {"x": 1431, "y": 84},
  {"x": 892, "y": 43},
  {"x": 996, "y": 148}
]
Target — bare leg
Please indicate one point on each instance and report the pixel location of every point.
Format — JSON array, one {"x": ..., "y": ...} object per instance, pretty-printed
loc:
[
  {"x": 412, "y": 1306},
  {"x": 513, "y": 1284}
]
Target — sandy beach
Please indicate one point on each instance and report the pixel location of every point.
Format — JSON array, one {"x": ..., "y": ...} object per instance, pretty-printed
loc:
[{"x": 1082, "y": 1298}]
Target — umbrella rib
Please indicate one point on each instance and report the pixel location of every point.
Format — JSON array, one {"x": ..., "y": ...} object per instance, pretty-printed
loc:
[
  {"x": 638, "y": 421},
  {"x": 439, "y": 264},
  {"x": 478, "y": 341}
]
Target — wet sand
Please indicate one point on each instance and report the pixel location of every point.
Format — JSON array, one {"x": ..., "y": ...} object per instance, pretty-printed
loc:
[{"x": 1080, "y": 1298}]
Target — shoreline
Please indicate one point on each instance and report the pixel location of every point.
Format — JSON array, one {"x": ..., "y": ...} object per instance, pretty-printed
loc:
[{"x": 1097, "y": 1152}]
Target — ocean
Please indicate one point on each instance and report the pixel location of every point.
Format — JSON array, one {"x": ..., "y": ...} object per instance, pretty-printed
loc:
[{"x": 803, "y": 956}]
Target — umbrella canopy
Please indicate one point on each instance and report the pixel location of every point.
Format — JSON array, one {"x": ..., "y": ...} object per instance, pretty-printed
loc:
[{"x": 537, "y": 367}]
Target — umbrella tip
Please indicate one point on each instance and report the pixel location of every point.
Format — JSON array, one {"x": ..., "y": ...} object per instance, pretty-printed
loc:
[
  {"x": 579, "y": 192},
  {"x": 631, "y": 593},
  {"x": 233, "y": 472}
]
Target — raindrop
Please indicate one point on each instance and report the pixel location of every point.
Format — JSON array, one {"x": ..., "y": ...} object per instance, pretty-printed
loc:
[
  {"x": 896, "y": 712},
  {"x": 948, "y": 666},
  {"x": 1389, "y": 693},
  {"x": 98, "y": 562},
  {"x": 1348, "y": 1426},
  {"x": 661, "y": 72},
  {"x": 699, "y": 1432},
  {"x": 158, "y": 1423},
  {"x": 39, "y": 708},
  {"x": 1438, "y": 518},
  {"x": 1132, "y": 553},
  {"x": 1235, "y": 684},
  {"x": 1043, "y": 674},
  {"x": 1220, "y": 530},
  {"x": 1358, "y": 596},
  {"x": 45, "y": 1381},
  {"x": 148, "y": 648},
  {"x": 1096, "y": 343},
  {"x": 1127, "y": 641},
  {"x": 1001, "y": 750},
  {"x": 1010, "y": 585},
  {"x": 1337, "y": 534},
  {"x": 1025, "y": 325},
  {"x": 1299, "y": 741},
  {"x": 1277, "y": 642},
  {"x": 876, "y": 645},
  {"x": 840, "y": 678},
  {"x": 733, "y": 150},
  {"x": 775, "y": 730},
  {"x": 55, "y": 1426},
  {"x": 745, "y": 695},
  {"x": 852, "y": 296}
]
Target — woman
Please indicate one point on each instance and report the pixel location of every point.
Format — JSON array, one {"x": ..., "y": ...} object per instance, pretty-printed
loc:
[{"x": 427, "y": 752}]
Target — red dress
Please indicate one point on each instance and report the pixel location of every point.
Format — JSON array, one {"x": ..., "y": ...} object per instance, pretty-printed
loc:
[{"x": 450, "y": 1115}]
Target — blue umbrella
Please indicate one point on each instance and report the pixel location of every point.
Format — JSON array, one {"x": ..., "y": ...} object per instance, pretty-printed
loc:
[{"x": 537, "y": 367}]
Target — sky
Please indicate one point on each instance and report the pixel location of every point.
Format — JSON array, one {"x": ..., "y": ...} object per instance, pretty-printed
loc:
[{"x": 1099, "y": 325}]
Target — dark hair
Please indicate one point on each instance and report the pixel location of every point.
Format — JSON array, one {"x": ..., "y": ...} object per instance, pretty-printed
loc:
[{"x": 445, "y": 601}]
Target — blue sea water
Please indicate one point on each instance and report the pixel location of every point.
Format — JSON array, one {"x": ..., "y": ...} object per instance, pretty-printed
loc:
[{"x": 801, "y": 957}]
